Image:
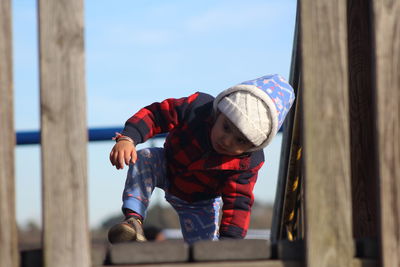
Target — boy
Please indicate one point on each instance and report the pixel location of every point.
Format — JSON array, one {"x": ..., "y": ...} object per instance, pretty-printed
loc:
[{"x": 212, "y": 154}]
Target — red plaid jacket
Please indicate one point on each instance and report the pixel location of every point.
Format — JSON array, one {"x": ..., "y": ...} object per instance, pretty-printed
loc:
[{"x": 195, "y": 171}]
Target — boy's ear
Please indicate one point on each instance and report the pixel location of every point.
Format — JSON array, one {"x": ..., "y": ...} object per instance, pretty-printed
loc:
[{"x": 217, "y": 112}]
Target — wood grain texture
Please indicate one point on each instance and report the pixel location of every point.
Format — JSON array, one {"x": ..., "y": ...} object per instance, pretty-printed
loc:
[
  {"x": 326, "y": 133},
  {"x": 8, "y": 228},
  {"x": 387, "y": 72},
  {"x": 256, "y": 263},
  {"x": 362, "y": 134},
  {"x": 64, "y": 133},
  {"x": 277, "y": 228},
  {"x": 264, "y": 263},
  {"x": 292, "y": 228}
]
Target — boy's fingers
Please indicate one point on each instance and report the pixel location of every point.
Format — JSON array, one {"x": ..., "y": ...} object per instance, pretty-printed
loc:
[
  {"x": 112, "y": 157},
  {"x": 127, "y": 158},
  {"x": 133, "y": 156},
  {"x": 121, "y": 161},
  {"x": 116, "y": 160}
]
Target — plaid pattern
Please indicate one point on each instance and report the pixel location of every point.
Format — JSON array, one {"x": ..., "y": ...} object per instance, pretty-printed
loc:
[{"x": 195, "y": 171}]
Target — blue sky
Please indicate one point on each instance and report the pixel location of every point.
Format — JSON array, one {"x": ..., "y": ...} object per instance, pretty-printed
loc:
[{"x": 138, "y": 52}]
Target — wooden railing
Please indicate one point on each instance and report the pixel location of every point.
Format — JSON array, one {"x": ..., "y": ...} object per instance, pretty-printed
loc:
[
  {"x": 346, "y": 72},
  {"x": 63, "y": 133},
  {"x": 348, "y": 82},
  {"x": 63, "y": 136},
  {"x": 8, "y": 228}
]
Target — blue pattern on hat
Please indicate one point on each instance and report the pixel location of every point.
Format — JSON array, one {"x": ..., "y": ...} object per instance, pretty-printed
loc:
[{"x": 279, "y": 90}]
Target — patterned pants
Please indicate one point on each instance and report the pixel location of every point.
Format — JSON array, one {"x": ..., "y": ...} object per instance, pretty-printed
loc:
[{"x": 199, "y": 220}]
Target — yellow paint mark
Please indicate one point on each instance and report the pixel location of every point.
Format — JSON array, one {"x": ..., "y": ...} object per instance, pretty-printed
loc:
[
  {"x": 289, "y": 235},
  {"x": 295, "y": 184},
  {"x": 291, "y": 216},
  {"x": 299, "y": 153}
]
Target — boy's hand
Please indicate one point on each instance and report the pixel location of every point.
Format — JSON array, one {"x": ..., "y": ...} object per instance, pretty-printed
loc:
[{"x": 123, "y": 151}]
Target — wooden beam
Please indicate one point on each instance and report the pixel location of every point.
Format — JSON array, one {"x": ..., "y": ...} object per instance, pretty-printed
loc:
[
  {"x": 9, "y": 256},
  {"x": 387, "y": 72},
  {"x": 277, "y": 228},
  {"x": 266, "y": 263},
  {"x": 64, "y": 134},
  {"x": 326, "y": 133},
  {"x": 255, "y": 263},
  {"x": 362, "y": 135}
]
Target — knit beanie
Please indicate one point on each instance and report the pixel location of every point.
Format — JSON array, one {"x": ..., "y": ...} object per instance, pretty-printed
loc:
[{"x": 257, "y": 107}]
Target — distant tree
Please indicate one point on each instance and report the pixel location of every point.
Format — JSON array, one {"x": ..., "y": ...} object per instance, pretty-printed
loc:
[
  {"x": 110, "y": 221},
  {"x": 261, "y": 216},
  {"x": 166, "y": 217},
  {"x": 162, "y": 217},
  {"x": 32, "y": 226},
  {"x": 157, "y": 215}
]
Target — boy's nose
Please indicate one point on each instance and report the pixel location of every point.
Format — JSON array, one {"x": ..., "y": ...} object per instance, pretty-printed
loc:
[{"x": 227, "y": 141}]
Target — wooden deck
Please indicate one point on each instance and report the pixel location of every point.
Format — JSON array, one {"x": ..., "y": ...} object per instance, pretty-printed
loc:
[
  {"x": 349, "y": 76},
  {"x": 207, "y": 253}
]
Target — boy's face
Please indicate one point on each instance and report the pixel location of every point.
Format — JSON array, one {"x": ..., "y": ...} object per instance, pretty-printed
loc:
[{"x": 227, "y": 139}]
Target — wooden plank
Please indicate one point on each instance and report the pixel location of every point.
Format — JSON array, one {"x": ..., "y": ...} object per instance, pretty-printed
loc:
[
  {"x": 291, "y": 221},
  {"x": 326, "y": 133},
  {"x": 364, "y": 263},
  {"x": 149, "y": 252},
  {"x": 34, "y": 257},
  {"x": 232, "y": 250},
  {"x": 290, "y": 250},
  {"x": 264, "y": 263},
  {"x": 64, "y": 134},
  {"x": 387, "y": 71},
  {"x": 278, "y": 228},
  {"x": 362, "y": 138},
  {"x": 8, "y": 227}
]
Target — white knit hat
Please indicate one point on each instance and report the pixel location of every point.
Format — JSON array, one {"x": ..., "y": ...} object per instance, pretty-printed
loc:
[
  {"x": 249, "y": 114},
  {"x": 257, "y": 107}
]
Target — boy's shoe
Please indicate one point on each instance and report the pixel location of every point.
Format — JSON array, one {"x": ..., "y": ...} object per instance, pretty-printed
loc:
[{"x": 126, "y": 231}]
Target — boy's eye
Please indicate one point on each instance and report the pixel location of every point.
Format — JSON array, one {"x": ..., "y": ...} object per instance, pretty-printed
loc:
[
  {"x": 226, "y": 127},
  {"x": 241, "y": 141}
]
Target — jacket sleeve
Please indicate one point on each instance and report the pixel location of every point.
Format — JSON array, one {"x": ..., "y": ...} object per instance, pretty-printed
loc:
[
  {"x": 238, "y": 198},
  {"x": 159, "y": 117}
]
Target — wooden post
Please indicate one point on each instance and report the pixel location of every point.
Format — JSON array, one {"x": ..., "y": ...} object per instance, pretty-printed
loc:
[
  {"x": 362, "y": 135},
  {"x": 64, "y": 134},
  {"x": 8, "y": 227},
  {"x": 328, "y": 234},
  {"x": 280, "y": 203},
  {"x": 387, "y": 72}
]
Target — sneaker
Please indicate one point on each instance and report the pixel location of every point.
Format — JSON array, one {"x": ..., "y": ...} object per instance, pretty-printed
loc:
[{"x": 126, "y": 231}]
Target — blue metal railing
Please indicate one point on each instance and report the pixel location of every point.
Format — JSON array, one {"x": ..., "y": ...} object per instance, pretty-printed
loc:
[{"x": 95, "y": 134}]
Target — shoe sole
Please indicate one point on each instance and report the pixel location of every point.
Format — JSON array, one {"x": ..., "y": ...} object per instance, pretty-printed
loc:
[{"x": 120, "y": 233}]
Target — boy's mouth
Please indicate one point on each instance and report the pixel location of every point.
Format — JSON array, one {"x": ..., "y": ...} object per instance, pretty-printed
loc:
[{"x": 219, "y": 148}]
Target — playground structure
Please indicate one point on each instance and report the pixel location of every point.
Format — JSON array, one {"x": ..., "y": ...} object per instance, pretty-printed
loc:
[{"x": 339, "y": 180}]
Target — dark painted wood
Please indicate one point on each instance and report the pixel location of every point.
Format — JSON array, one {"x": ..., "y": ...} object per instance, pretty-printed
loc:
[{"x": 362, "y": 138}]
